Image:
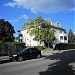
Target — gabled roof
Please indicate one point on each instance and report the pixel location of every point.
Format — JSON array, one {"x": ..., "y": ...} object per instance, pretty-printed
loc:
[
  {"x": 52, "y": 26},
  {"x": 59, "y": 28}
]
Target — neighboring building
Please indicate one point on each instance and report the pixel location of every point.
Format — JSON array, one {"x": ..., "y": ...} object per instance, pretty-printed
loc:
[{"x": 60, "y": 34}]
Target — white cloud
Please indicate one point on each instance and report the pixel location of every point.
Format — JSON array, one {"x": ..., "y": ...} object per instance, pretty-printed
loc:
[
  {"x": 34, "y": 11},
  {"x": 16, "y": 20},
  {"x": 19, "y": 18},
  {"x": 11, "y": 4},
  {"x": 24, "y": 16},
  {"x": 43, "y": 5}
]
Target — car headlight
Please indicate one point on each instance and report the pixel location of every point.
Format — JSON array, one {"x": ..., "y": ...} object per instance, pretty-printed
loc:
[{"x": 14, "y": 55}]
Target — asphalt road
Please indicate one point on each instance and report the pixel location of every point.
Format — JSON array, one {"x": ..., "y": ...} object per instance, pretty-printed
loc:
[{"x": 55, "y": 64}]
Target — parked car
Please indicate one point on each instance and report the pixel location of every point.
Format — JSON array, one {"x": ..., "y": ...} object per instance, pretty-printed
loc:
[{"x": 26, "y": 53}]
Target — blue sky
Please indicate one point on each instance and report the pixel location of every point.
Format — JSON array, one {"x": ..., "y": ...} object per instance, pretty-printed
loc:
[{"x": 17, "y": 11}]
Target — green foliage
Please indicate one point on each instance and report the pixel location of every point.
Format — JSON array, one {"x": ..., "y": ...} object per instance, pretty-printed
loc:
[
  {"x": 71, "y": 37},
  {"x": 28, "y": 23},
  {"x": 64, "y": 46},
  {"x": 48, "y": 49},
  {"x": 43, "y": 34},
  {"x": 7, "y": 48},
  {"x": 40, "y": 28},
  {"x": 40, "y": 47},
  {"x": 6, "y": 31},
  {"x": 38, "y": 20}
]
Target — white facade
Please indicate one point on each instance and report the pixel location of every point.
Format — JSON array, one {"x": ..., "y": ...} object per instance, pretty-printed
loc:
[
  {"x": 60, "y": 34},
  {"x": 29, "y": 39}
]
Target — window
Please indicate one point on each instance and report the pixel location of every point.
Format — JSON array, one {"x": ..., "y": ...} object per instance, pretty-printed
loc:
[
  {"x": 65, "y": 37},
  {"x": 30, "y": 44},
  {"x": 20, "y": 40},
  {"x": 61, "y": 37}
]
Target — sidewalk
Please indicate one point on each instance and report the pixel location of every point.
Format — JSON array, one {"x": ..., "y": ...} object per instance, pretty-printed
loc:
[
  {"x": 51, "y": 52},
  {"x": 2, "y": 58}
]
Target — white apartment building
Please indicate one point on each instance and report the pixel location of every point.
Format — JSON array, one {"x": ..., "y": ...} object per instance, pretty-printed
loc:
[
  {"x": 25, "y": 37},
  {"x": 60, "y": 35}
]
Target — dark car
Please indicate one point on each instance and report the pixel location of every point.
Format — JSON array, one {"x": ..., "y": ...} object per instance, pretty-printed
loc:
[{"x": 26, "y": 53}]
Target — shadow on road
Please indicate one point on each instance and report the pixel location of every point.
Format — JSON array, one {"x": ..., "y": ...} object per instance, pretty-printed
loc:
[
  {"x": 61, "y": 67},
  {"x": 5, "y": 61}
]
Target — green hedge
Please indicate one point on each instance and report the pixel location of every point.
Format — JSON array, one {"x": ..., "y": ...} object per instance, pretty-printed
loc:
[
  {"x": 7, "y": 48},
  {"x": 38, "y": 47},
  {"x": 64, "y": 46}
]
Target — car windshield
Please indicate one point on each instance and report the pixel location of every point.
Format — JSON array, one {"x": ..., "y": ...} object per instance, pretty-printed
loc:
[{"x": 23, "y": 50}]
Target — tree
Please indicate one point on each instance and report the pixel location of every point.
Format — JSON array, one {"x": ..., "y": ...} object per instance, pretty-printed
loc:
[
  {"x": 71, "y": 37},
  {"x": 28, "y": 23},
  {"x": 43, "y": 33},
  {"x": 6, "y": 31},
  {"x": 40, "y": 28}
]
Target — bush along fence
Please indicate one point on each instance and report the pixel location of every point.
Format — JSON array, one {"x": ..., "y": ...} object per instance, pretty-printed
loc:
[
  {"x": 7, "y": 48},
  {"x": 64, "y": 46}
]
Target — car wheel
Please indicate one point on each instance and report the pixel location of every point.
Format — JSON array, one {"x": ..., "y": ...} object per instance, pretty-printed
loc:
[
  {"x": 38, "y": 56},
  {"x": 20, "y": 58}
]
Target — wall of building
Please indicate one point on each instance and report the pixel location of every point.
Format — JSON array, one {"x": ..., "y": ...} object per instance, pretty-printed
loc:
[
  {"x": 60, "y": 34},
  {"x": 29, "y": 39}
]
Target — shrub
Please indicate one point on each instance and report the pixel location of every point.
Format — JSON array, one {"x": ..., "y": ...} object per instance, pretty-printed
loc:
[
  {"x": 7, "y": 48},
  {"x": 39, "y": 47},
  {"x": 64, "y": 46}
]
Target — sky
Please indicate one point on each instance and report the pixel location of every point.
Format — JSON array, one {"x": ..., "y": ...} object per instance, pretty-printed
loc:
[{"x": 17, "y": 11}]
